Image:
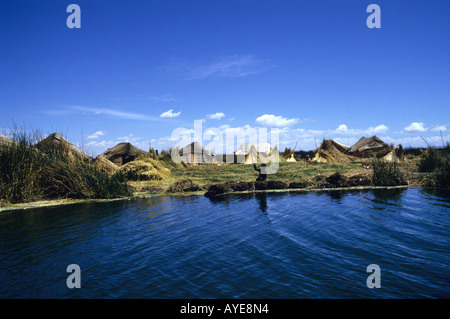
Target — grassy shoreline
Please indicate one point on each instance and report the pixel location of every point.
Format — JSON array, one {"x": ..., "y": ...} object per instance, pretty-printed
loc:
[{"x": 205, "y": 176}]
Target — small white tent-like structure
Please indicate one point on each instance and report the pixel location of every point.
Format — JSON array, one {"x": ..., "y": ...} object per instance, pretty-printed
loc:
[
  {"x": 244, "y": 149},
  {"x": 252, "y": 153}
]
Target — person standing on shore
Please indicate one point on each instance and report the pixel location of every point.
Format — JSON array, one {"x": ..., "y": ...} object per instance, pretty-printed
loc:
[{"x": 262, "y": 172}]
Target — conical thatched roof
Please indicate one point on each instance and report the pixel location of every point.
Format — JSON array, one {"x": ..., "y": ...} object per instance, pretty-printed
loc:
[
  {"x": 394, "y": 155},
  {"x": 374, "y": 147},
  {"x": 253, "y": 153},
  {"x": 244, "y": 149},
  {"x": 195, "y": 153},
  {"x": 122, "y": 153},
  {"x": 291, "y": 158},
  {"x": 252, "y": 156},
  {"x": 56, "y": 139},
  {"x": 255, "y": 157},
  {"x": 365, "y": 149},
  {"x": 331, "y": 151},
  {"x": 368, "y": 147}
]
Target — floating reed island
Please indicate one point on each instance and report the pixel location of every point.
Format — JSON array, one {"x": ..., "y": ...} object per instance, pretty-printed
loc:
[{"x": 52, "y": 168}]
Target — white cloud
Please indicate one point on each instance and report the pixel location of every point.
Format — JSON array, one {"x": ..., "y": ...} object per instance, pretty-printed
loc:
[
  {"x": 277, "y": 121},
  {"x": 170, "y": 113},
  {"x": 380, "y": 129},
  {"x": 101, "y": 145},
  {"x": 96, "y": 135},
  {"x": 415, "y": 127},
  {"x": 342, "y": 128},
  {"x": 215, "y": 116},
  {"x": 438, "y": 128}
]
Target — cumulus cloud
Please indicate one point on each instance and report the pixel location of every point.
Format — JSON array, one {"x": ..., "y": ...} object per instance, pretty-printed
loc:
[
  {"x": 415, "y": 127},
  {"x": 96, "y": 135},
  {"x": 342, "y": 128},
  {"x": 277, "y": 121},
  {"x": 215, "y": 116},
  {"x": 380, "y": 129},
  {"x": 170, "y": 113}
]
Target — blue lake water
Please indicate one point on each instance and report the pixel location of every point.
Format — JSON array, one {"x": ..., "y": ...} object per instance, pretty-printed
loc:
[{"x": 265, "y": 245}]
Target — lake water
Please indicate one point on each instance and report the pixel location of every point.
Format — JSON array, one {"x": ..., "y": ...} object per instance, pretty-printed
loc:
[{"x": 265, "y": 245}]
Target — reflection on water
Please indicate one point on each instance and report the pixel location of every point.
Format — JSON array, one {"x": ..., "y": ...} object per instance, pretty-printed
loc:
[
  {"x": 337, "y": 195},
  {"x": 255, "y": 245},
  {"x": 262, "y": 199},
  {"x": 392, "y": 194}
]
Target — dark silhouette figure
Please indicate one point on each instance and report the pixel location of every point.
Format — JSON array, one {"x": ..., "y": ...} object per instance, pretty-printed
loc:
[{"x": 262, "y": 172}]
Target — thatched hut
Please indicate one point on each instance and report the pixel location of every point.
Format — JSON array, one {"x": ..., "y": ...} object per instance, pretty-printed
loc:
[
  {"x": 367, "y": 147},
  {"x": 195, "y": 153},
  {"x": 364, "y": 149},
  {"x": 57, "y": 140},
  {"x": 291, "y": 159},
  {"x": 253, "y": 153},
  {"x": 122, "y": 153},
  {"x": 252, "y": 157},
  {"x": 289, "y": 155},
  {"x": 331, "y": 151},
  {"x": 244, "y": 149},
  {"x": 374, "y": 147}
]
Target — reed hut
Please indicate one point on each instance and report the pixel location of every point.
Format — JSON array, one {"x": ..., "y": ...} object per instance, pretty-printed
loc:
[
  {"x": 374, "y": 147},
  {"x": 331, "y": 151},
  {"x": 57, "y": 140},
  {"x": 196, "y": 154},
  {"x": 123, "y": 153},
  {"x": 252, "y": 153}
]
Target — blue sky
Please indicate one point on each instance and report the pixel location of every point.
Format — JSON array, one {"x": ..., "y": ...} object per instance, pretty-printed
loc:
[{"x": 137, "y": 70}]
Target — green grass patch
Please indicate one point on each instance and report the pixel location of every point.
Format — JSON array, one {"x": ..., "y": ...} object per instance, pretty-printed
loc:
[{"x": 387, "y": 174}]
